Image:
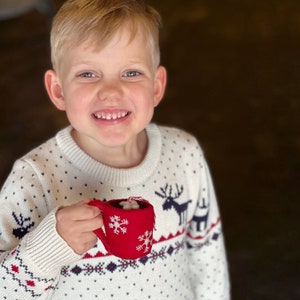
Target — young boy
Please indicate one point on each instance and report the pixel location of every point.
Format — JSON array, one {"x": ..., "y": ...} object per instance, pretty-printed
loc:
[{"x": 107, "y": 78}]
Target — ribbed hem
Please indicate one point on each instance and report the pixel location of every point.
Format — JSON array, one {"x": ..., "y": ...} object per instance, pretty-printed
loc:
[
  {"x": 46, "y": 249},
  {"x": 113, "y": 176}
]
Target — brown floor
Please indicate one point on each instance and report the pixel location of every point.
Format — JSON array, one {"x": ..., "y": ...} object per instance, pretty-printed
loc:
[{"x": 234, "y": 81}]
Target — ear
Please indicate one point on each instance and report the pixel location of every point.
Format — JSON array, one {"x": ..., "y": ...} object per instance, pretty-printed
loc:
[
  {"x": 160, "y": 84},
  {"x": 54, "y": 89}
]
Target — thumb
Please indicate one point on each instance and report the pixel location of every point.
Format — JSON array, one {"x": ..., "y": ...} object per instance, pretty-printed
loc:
[{"x": 84, "y": 201}]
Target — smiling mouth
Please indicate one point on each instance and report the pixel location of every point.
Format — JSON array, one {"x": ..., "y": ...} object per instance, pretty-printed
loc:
[{"x": 110, "y": 116}]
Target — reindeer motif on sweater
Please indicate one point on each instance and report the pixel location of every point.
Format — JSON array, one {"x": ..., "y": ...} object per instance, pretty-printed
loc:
[
  {"x": 166, "y": 193},
  {"x": 203, "y": 211}
]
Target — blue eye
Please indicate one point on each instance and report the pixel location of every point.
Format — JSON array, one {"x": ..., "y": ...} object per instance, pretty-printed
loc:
[
  {"x": 87, "y": 75},
  {"x": 132, "y": 74}
]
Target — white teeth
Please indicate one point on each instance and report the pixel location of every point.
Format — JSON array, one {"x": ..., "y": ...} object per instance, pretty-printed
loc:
[{"x": 110, "y": 116}]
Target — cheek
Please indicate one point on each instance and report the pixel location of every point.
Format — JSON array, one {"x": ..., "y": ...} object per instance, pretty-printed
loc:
[
  {"x": 76, "y": 106},
  {"x": 76, "y": 98},
  {"x": 145, "y": 96},
  {"x": 146, "y": 109}
]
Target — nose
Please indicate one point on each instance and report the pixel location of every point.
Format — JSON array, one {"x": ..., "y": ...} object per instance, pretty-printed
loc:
[{"x": 110, "y": 90}]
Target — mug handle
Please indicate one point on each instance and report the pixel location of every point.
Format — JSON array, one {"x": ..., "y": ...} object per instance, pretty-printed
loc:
[{"x": 99, "y": 232}]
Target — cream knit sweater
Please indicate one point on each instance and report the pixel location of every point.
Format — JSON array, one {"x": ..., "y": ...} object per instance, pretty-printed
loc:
[{"x": 187, "y": 261}]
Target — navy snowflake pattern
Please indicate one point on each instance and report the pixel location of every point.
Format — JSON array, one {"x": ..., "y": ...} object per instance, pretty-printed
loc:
[{"x": 123, "y": 264}]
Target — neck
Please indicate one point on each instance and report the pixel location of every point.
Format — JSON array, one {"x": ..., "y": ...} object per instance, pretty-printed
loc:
[
  {"x": 125, "y": 156},
  {"x": 128, "y": 156}
]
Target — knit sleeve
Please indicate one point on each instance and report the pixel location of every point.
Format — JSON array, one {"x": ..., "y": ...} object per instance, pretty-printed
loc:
[
  {"x": 31, "y": 251},
  {"x": 208, "y": 265}
]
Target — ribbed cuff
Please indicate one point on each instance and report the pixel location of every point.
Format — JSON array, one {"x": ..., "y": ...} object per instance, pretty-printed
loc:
[{"x": 46, "y": 249}]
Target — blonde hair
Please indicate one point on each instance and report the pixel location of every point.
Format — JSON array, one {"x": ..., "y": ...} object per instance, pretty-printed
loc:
[{"x": 98, "y": 20}]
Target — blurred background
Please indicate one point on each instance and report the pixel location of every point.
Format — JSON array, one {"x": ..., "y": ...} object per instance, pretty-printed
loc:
[{"x": 234, "y": 82}]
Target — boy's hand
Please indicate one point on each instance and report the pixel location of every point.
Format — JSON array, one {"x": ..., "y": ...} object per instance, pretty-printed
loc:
[{"x": 76, "y": 223}]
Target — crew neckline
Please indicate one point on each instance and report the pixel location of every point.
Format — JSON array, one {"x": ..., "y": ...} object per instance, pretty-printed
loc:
[{"x": 122, "y": 177}]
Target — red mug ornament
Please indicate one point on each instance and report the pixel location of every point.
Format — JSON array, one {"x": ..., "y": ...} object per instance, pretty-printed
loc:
[{"x": 129, "y": 225}]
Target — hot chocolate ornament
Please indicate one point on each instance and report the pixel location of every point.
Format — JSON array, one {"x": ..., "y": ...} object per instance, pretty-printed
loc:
[
  {"x": 130, "y": 203},
  {"x": 129, "y": 225}
]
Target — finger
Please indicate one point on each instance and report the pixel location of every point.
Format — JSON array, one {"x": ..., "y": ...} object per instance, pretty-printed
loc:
[
  {"x": 90, "y": 225},
  {"x": 84, "y": 244},
  {"x": 77, "y": 212},
  {"x": 84, "y": 201},
  {"x": 77, "y": 233},
  {"x": 88, "y": 238},
  {"x": 91, "y": 210}
]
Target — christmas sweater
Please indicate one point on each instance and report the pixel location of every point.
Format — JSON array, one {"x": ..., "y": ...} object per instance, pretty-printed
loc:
[{"x": 187, "y": 260}]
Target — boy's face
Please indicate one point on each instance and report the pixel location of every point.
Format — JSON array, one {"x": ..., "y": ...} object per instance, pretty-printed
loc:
[{"x": 109, "y": 95}]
